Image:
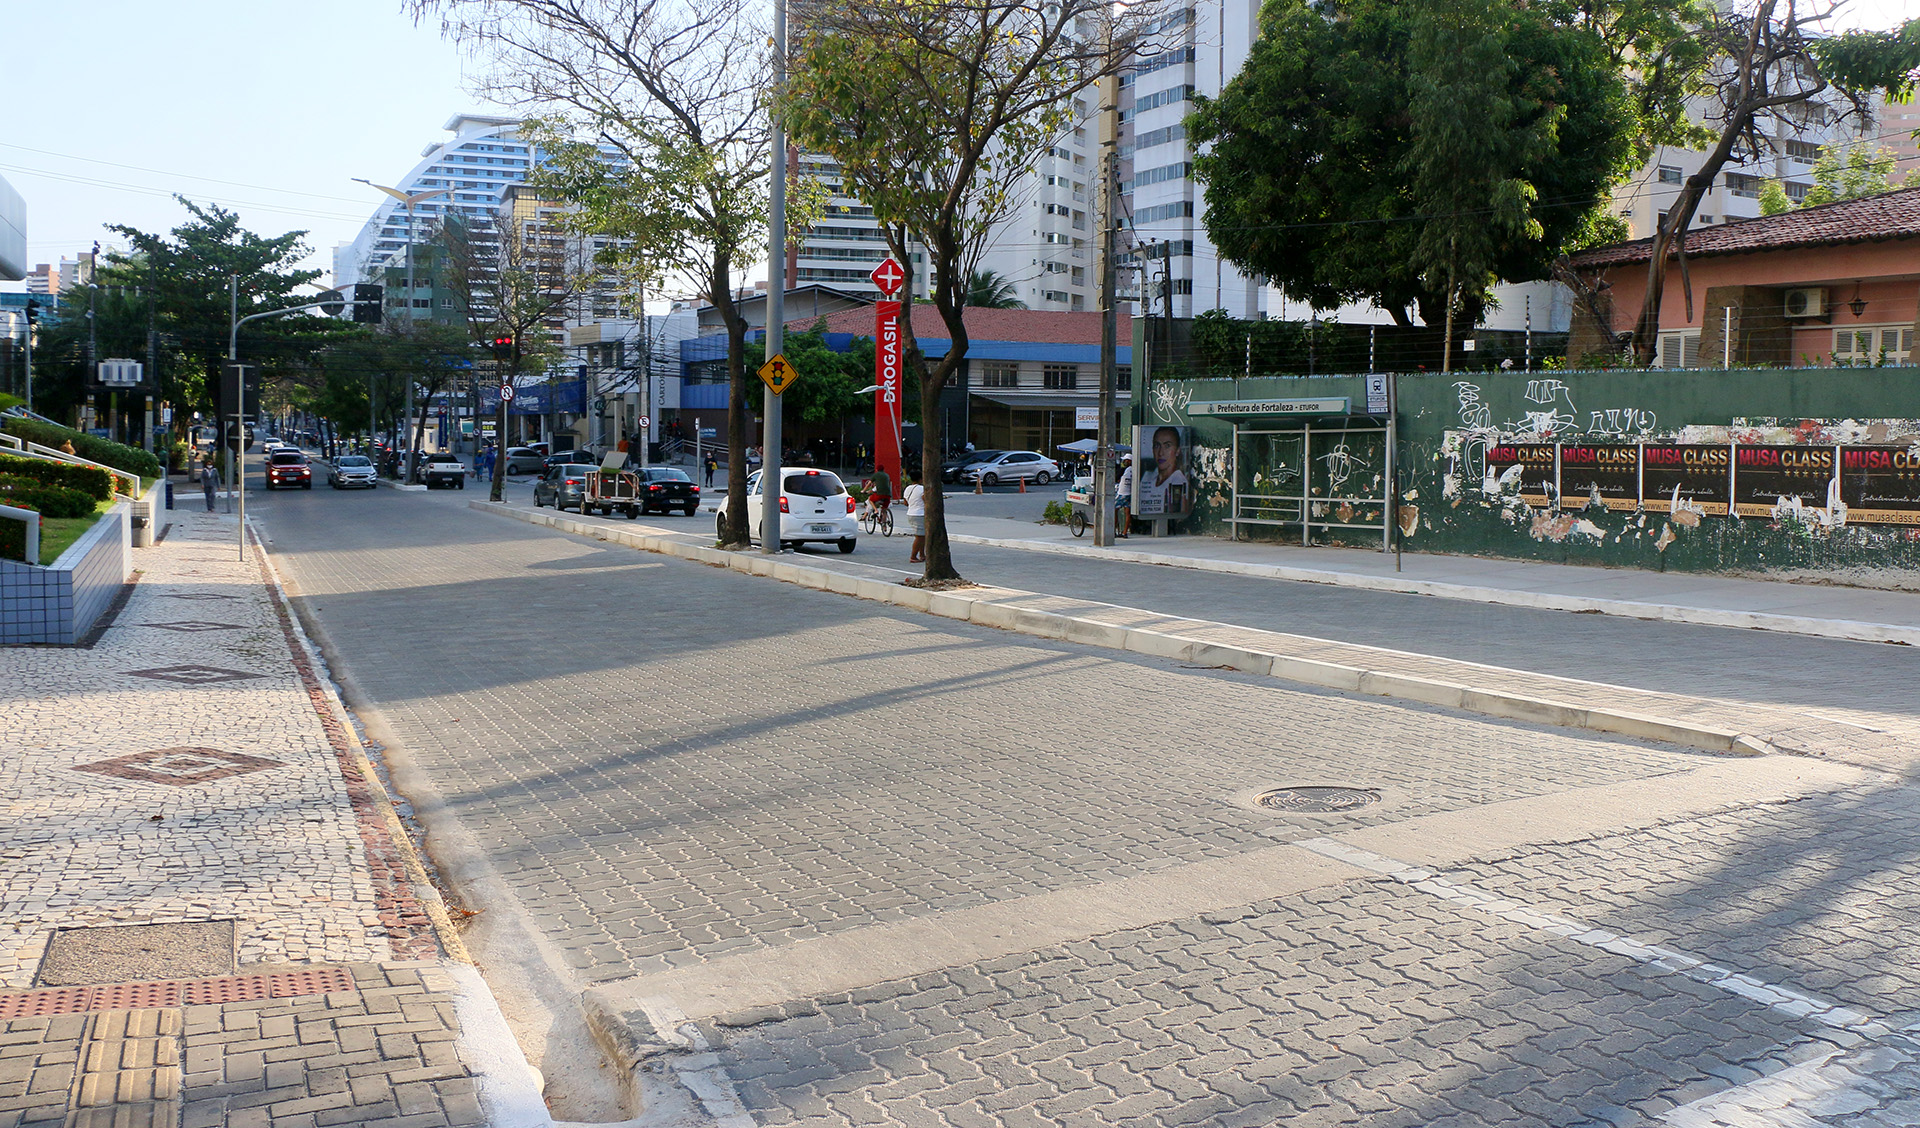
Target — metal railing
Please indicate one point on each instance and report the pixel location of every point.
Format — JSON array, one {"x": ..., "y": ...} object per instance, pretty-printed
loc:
[{"x": 32, "y": 521}]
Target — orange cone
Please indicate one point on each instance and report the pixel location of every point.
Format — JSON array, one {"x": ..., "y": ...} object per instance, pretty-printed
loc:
[
  {"x": 1023, "y": 485},
  {"x": 976, "y": 486}
]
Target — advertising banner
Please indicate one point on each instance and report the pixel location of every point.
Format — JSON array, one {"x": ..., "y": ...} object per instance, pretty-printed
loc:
[
  {"x": 1690, "y": 475},
  {"x": 1880, "y": 485},
  {"x": 1536, "y": 464},
  {"x": 1607, "y": 472},
  {"x": 1765, "y": 476},
  {"x": 887, "y": 401},
  {"x": 1162, "y": 481}
]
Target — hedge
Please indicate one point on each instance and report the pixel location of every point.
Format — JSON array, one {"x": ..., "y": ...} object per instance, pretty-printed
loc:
[
  {"x": 52, "y": 501},
  {"x": 90, "y": 480},
  {"x": 117, "y": 455},
  {"x": 13, "y": 540}
]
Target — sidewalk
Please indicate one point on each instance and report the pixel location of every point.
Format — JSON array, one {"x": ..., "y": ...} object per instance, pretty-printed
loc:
[
  {"x": 1860, "y": 614},
  {"x": 211, "y": 914}
]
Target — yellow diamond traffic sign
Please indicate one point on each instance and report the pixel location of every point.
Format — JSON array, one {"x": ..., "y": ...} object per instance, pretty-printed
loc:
[{"x": 777, "y": 374}]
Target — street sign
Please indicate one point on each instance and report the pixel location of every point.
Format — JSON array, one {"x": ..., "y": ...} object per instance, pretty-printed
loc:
[
  {"x": 888, "y": 276},
  {"x": 120, "y": 372},
  {"x": 1377, "y": 393},
  {"x": 506, "y": 392},
  {"x": 777, "y": 374},
  {"x": 646, "y": 421}
]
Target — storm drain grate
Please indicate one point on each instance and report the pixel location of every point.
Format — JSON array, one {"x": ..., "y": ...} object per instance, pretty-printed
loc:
[
  {"x": 1316, "y": 800},
  {"x": 174, "y": 993}
]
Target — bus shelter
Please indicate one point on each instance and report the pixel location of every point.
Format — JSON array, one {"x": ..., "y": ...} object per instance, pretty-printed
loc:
[{"x": 1314, "y": 466}]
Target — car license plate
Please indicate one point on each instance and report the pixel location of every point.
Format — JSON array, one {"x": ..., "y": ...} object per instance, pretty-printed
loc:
[{"x": 819, "y": 528}]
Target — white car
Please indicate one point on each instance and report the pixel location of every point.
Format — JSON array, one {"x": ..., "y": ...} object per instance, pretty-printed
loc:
[
  {"x": 1012, "y": 466},
  {"x": 351, "y": 471},
  {"x": 814, "y": 506}
]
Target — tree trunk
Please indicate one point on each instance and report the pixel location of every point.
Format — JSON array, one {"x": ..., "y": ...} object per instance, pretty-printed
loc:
[
  {"x": 497, "y": 492},
  {"x": 721, "y": 284}
]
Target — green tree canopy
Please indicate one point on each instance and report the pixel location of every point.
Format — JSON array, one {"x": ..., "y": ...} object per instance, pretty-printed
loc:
[
  {"x": 987, "y": 289},
  {"x": 1370, "y": 150}
]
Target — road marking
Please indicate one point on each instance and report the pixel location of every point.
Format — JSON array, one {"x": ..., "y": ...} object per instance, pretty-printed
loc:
[{"x": 1785, "y": 1000}]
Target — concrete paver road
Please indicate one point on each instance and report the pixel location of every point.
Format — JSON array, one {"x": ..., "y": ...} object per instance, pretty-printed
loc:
[{"x": 818, "y": 837}]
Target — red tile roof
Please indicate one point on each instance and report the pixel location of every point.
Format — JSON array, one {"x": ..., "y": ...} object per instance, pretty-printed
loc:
[
  {"x": 1870, "y": 219},
  {"x": 1046, "y": 326}
]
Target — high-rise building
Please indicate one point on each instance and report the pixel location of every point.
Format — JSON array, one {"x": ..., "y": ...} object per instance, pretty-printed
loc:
[
  {"x": 1199, "y": 46},
  {"x": 484, "y": 158}
]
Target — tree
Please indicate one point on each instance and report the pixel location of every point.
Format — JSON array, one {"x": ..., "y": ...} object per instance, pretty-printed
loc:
[
  {"x": 986, "y": 289},
  {"x": 1403, "y": 153},
  {"x": 934, "y": 111},
  {"x": 189, "y": 272},
  {"x": 676, "y": 90},
  {"x": 1763, "y": 66},
  {"x": 828, "y": 384},
  {"x": 516, "y": 278}
]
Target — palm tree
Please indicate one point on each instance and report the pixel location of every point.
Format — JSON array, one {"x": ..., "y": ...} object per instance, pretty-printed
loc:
[{"x": 986, "y": 289}]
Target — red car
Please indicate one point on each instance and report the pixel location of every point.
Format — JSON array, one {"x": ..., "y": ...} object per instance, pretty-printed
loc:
[{"x": 288, "y": 468}]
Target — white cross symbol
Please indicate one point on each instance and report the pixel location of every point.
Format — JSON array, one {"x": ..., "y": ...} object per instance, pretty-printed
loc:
[{"x": 888, "y": 276}]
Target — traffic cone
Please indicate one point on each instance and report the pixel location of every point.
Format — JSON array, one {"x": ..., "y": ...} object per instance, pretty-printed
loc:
[
  {"x": 976, "y": 486},
  {"x": 1023, "y": 485}
]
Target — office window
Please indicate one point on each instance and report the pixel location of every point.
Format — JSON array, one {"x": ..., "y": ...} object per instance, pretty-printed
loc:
[
  {"x": 999, "y": 374},
  {"x": 1669, "y": 174},
  {"x": 1060, "y": 375},
  {"x": 1123, "y": 377},
  {"x": 1741, "y": 184}
]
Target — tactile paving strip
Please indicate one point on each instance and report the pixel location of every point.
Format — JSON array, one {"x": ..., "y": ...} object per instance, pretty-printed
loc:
[{"x": 174, "y": 992}]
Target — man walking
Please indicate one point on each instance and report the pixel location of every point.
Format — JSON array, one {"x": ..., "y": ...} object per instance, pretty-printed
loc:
[{"x": 209, "y": 481}]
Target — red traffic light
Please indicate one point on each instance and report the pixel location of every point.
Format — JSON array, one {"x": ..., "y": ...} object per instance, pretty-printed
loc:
[{"x": 503, "y": 348}]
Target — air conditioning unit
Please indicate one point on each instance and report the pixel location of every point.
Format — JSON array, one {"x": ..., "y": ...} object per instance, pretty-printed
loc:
[{"x": 1807, "y": 301}]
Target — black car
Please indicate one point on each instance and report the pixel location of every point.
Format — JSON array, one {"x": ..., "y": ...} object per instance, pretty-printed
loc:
[
  {"x": 666, "y": 488},
  {"x": 950, "y": 469},
  {"x": 566, "y": 456}
]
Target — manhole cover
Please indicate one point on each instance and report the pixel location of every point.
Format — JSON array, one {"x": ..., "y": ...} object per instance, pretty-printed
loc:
[{"x": 1316, "y": 800}]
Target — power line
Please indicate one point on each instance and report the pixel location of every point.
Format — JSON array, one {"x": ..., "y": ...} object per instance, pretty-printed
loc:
[{"x": 180, "y": 175}]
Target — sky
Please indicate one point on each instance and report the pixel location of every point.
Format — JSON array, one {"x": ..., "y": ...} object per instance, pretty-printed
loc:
[{"x": 269, "y": 107}]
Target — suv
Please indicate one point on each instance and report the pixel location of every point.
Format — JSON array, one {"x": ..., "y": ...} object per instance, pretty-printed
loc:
[
  {"x": 287, "y": 466},
  {"x": 444, "y": 470}
]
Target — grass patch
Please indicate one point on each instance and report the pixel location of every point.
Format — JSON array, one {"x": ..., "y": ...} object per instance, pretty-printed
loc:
[{"x": 58, "y": 535}]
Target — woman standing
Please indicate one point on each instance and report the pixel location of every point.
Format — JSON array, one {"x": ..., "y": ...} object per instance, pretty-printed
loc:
[{"x": 915, "y": 495}]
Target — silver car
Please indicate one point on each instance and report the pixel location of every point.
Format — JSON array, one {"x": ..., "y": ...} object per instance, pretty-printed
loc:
[
  {"x": 350, "y": 471},
  {"x": 1012, "y": 466}
]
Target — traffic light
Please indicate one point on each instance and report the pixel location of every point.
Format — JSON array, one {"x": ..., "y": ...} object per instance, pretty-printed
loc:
[
  {"x": 368, "y": 298},
  {"x": 33, "y": 311},
  {"x": 502, "y": 347},
  {"x": 332, "y": 302}
]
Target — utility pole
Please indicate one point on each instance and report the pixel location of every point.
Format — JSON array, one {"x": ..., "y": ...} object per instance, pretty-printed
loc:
[
  {"x": 153, "y": 346},
  {"x": 770, "y": 484},
  {"x": 1103, "y": 485},
  {"x": 646, "y": 372}
]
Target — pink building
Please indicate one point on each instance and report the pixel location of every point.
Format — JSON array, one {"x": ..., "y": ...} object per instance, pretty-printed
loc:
[{"x": 1832, "y": 285}]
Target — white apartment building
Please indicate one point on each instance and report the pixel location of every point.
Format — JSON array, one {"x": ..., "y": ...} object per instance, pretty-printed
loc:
[
  {"x": 1795, "y": 144},
  {"x": 1201, "y": 45},
  {"x": 476, "y": 166}
]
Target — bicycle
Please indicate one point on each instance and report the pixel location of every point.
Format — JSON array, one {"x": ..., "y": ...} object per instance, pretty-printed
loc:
[{"x": 878, "y": 518}]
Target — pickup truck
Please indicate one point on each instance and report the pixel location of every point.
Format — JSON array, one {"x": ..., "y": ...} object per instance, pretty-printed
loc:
[{"x": 444, "y": 470}]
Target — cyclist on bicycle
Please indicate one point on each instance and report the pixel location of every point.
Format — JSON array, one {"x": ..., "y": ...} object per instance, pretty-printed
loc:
[{"x": 882, "y": 493}]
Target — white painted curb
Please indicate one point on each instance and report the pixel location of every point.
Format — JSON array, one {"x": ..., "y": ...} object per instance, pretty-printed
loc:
[
  {"x": 990, "y": 607},
  {"x": 1850, "y": 630}
]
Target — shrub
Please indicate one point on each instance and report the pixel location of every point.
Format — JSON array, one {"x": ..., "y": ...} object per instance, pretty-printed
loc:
[
  {"x": 179, "y": 455},
  {"x": 90, "y": 480},
  {"x": 52, "y": 501},
  {"x": 117, "y": 455},
  {"x": 1057, "y": 513}
]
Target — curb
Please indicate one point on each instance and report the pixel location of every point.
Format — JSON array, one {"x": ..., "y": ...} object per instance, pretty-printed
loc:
[
  {"x": 993, "y": 607},
  {"x": 1849, "y": 630}
]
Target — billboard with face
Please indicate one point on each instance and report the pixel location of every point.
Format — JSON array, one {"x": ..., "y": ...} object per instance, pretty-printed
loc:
[{"x": 1162, "y": 482}]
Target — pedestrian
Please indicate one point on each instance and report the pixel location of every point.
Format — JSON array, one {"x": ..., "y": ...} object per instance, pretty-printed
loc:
[
  {"x": 915, "y": 495},
  {"x": 209, "y": 481},
  {"x": 1123, "y": 497},
  {"x": 713, "y": 465}
]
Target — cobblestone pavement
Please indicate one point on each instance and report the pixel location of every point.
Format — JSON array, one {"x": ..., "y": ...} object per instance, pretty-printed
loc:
[
  {"x": 189, "y": 775},
  {"x": 683, "y": 772}
]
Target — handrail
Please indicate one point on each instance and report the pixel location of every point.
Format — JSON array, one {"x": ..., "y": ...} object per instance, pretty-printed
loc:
[
  {"x": 32, "y": 521},
  {"x": 29, "y": 449}
]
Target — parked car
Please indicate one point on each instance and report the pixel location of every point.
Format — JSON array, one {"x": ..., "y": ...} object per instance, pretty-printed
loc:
[
  {"x": 350, "y": 471},
  {"x": 563, "y": 486},
  {"x": 667, "y": 488},
  {"x": 1012, "y": 466},
  {"x": 444, "y": 470},
  {"x": 950, "y": 469},
  {"x": 287, "y": 466},
  {"x": 523, "y": 460},
  {"x": 552, "y": 460},
  {"x": 814, "y": 506}
]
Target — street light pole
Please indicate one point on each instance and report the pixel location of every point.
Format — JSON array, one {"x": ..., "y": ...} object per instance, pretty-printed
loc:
[
  {"x": 409, "y": 200},
  {"x": 770, "y": 456}
]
